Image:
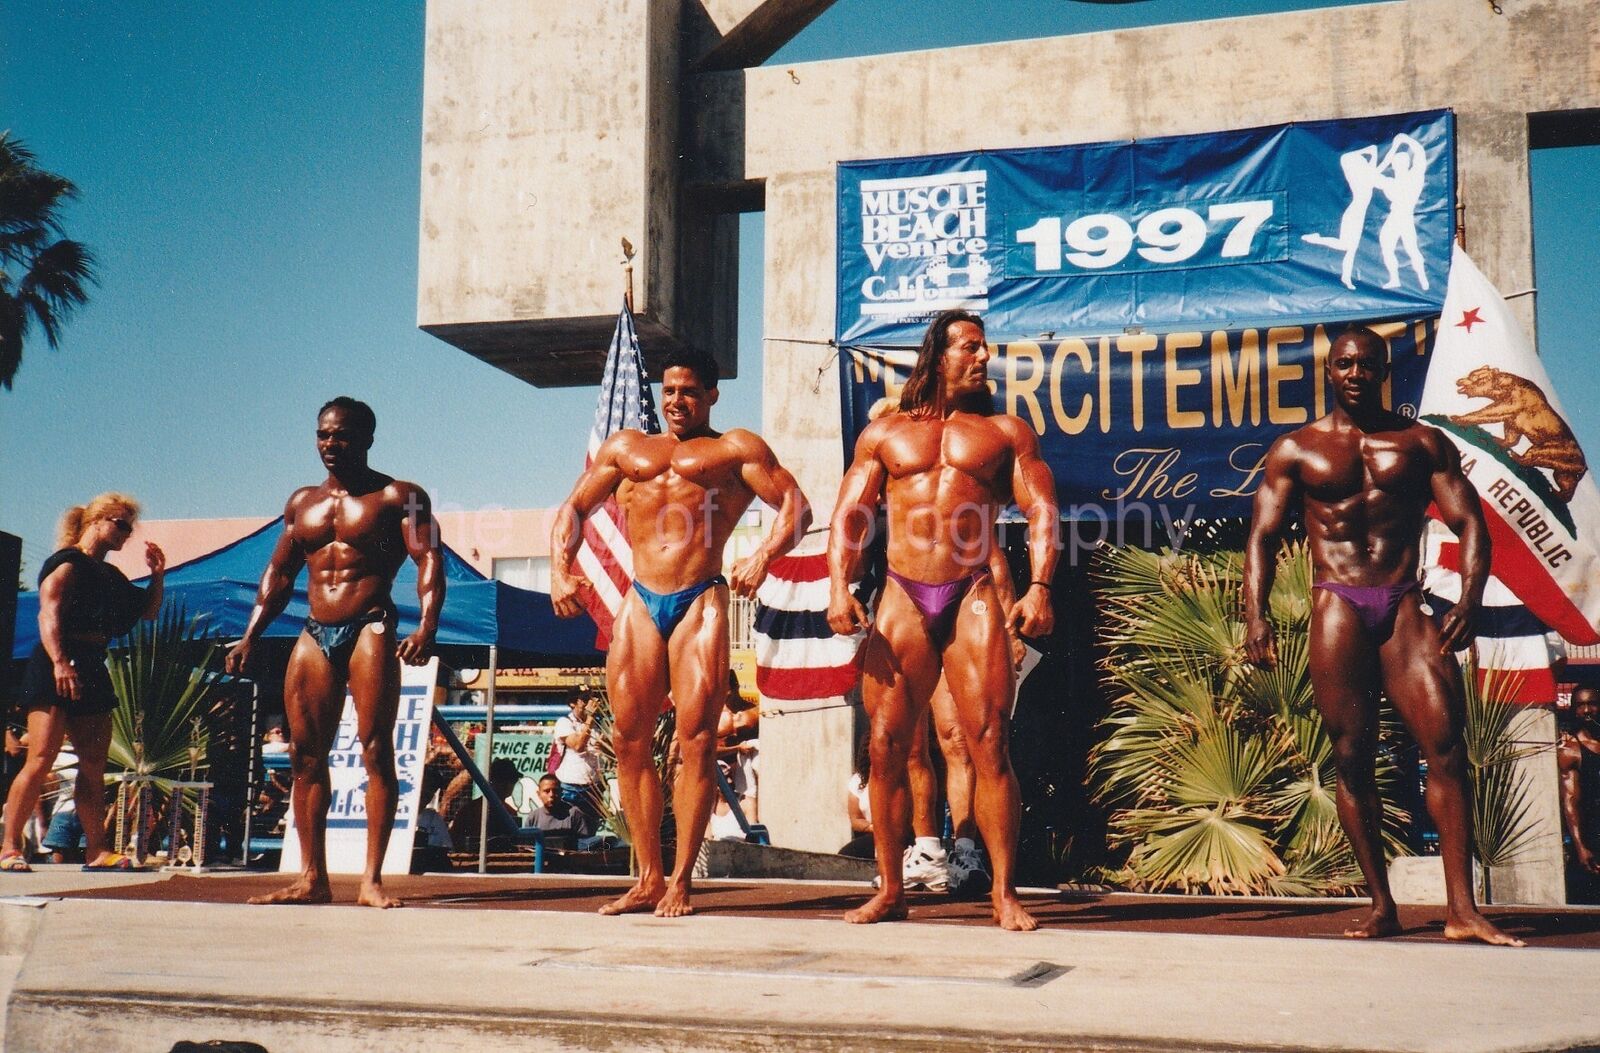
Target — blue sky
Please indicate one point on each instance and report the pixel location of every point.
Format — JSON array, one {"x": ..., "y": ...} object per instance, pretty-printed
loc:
[{"x": 249, "y": 179}]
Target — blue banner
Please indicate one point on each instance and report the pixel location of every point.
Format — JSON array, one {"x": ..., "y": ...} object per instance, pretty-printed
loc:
[
  {"x": 1313, "y": 222},
  {"x": 1144, "y": 430}
]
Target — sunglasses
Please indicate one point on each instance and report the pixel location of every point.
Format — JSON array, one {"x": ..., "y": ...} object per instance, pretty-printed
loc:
[{"x": 124, "y": 525}]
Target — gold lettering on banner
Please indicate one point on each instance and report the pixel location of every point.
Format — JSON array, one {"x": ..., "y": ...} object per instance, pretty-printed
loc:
[
  {"x": 1148, "y": 473},
  {"x": 1182, "y": 378},
  {"x": 1135, "y": 347},
  {"x": 1278, "y": 374},
  {"x": 1105, "y": 385},
  {"x": 892, "y": 384},
  {"x": 1025, "y": 389},
  {"x": 1239, "y": 459},
  {"x": 1319, "y": 367},
  {"x": 1238, "y": 385},
  {"x": 866, "y": 366},
  {"x": 1074, "y": 424}
]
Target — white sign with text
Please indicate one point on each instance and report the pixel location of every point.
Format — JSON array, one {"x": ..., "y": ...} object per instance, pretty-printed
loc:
[{"x": 347, "y": 810}]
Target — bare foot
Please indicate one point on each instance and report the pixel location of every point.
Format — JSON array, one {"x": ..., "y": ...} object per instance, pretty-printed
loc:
[
  {"x": 675, "y": 904},
  {"x": 1010, "y": 915},
  {"x": 884, "y": 906},
  {"x": 1475, "y": 926},
  {"x": 637, "y": 899},
  {"x": 1383, "y": 921},
  {"x": 303, "y": 891},
  {"x": 372, "y": 895}
]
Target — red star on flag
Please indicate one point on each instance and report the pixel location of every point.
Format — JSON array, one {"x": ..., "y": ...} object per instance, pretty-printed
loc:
[{"x": 1469, "y": 319}]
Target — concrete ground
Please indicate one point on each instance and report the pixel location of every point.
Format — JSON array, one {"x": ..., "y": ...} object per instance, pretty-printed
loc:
[{"x": 112, "y": 973}]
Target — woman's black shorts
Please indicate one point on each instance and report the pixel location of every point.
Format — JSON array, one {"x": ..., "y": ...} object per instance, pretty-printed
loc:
[{"x": 95, "y": 694}]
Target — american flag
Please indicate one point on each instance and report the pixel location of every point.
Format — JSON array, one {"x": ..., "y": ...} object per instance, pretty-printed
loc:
[{"x": 605, "y": 557}]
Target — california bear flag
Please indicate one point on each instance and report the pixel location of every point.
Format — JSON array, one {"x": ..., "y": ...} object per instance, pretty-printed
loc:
[{"x": 1489, "y": 393}]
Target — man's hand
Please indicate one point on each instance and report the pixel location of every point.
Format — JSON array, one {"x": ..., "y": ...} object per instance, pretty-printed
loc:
[
  {"x": 1260, "y": 643},
  {"x": 414, "y": 649},
  {"x": 1587, "y": 860},
  {"x": 565, "y": 588},
  {"x": 749, "y": 573},
  {"x": 1456, "y": 632},
  {"x": 1019, "y": 650},
  {"x": 237, "y": 659},
  {"x": 155, "y": 559},
  {"x": 1032, "y": 615},
  {"x": 67, "y": 680},
  {"x": 846, "y": 615}
]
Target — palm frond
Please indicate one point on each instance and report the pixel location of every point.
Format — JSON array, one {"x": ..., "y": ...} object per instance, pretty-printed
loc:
[{"x": 164, "y": 697}]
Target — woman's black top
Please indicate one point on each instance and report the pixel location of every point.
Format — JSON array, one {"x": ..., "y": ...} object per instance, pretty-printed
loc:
[{"x": 101, "y": 600}]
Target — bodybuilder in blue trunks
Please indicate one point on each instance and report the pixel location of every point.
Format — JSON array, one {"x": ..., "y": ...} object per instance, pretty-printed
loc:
[
  {"x": 353, "y": 530},
  {"x": 1364, "y": 477},
  {"x": 946, "y": 466},
  {"x": 681, "y": 493}
]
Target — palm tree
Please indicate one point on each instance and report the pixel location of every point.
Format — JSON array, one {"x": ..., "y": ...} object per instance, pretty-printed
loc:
[{"x": 43, "y": 276}]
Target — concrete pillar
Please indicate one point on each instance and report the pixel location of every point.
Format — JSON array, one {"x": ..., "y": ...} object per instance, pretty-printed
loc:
[
  {"x": 805, "y": 756},
  {"x": 1539, "y": 876}
]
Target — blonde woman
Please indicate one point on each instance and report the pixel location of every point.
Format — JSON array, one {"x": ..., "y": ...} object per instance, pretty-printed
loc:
[{"x": 83, "y": 602}]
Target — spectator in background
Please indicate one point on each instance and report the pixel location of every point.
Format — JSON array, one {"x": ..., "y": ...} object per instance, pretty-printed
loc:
[
  {"x": 579, "y": 769},
  {"x": 16, "y": 751},
  {"x": 431, "y": 850},
  {"x": 63, "y": 838},
  {"x": 1578, "y": 769},
  {"x": 858, "y": 804},
  {"x": 272, "y": 802},
  {"x": 738, "y": 743},
  {"x": 557, "y": 816},
  {"x": 503, "y": 776},
  {"x": 274, "y": 740},
  {"x": 724, "y": 825}
]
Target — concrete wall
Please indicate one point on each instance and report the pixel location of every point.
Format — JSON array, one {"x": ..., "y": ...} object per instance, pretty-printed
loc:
[{"x": 549, "y": 134}]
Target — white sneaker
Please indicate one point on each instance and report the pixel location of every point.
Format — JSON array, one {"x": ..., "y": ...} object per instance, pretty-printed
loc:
[
  {"x": 969, "y": 873},
  {"x": 925, "y": 869}
]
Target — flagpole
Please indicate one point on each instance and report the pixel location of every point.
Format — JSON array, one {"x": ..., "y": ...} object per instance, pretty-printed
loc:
[{"x": 627, "y": 273}]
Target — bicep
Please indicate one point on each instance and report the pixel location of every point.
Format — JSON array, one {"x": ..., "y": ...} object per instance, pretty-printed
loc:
[
  {"x": 765, "y": 477},
  {"x": 864, "y": 479},
  {"x": 1275, "y": 494},
  {"x": 1457, "y": 500},
  {"x": 55, "y": 588},
  {"x": 1032, "y": 482},
  {"x": 598, "y": 481},
  {"x": 421, "y": 532}
]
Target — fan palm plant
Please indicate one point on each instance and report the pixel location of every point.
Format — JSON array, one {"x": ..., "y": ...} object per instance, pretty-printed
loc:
[
  {"x": 43, "y": 276},
  {"x": 1220, "y": 775},
  {"x": 163, "y": 725},
  {"x": 1503, "y": 824}
]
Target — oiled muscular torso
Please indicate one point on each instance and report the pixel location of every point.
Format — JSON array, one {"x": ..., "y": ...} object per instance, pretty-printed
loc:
[
  {"x": 681, "y": 498},
  {"x": 353, "y": 545},
  {"x": 946, "y": 484},
  {"x": 1365, "y": 494}
]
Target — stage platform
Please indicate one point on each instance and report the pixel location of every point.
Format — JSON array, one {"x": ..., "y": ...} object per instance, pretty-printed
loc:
[{"x": 490, "y": 964}]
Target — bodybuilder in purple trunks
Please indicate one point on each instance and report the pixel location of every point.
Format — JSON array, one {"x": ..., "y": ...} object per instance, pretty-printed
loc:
[
  {"x": 946, "y": 465},
  {"x": 1364, "y": 477}
]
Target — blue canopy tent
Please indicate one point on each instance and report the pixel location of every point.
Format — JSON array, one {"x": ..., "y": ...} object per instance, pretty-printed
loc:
[
  {"x": 480, "y": 615},
  {"x": 478, "y": 612}
]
